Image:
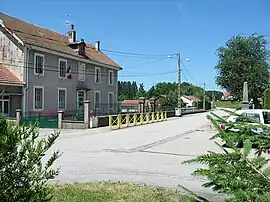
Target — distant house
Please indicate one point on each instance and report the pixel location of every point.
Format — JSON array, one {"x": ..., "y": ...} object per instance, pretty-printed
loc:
[
  {"x": 226, "y": 96},
  {"x": 190, "y": 101},
  {"x": 133, "y": 105}
]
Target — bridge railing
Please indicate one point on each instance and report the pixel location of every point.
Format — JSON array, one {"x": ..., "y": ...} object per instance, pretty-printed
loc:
[{"x": 127, "y": 120}]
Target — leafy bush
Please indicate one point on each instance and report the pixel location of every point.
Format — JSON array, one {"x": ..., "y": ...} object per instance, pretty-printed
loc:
[
  {"x": 23, "y": 176},
  {"x": 234, "y": 172},
  {"x": 266, "y": 100}
]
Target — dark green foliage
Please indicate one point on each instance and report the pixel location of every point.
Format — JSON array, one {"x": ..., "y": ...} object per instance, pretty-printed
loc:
[
  {"x": 214, "y": 95},
  {"x": 165, "y": 93},
  {"x": 244, "y": 58},
  {"x": 266, "y": 99},
  {"x": 23, "y": 177},
  {"x": 235, "y": 171}
]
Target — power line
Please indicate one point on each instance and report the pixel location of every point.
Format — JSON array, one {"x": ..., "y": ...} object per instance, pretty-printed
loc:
[
  {"x": 105, "y": 50},
  {"x": 150, "y": 62},
  {"x": 136, "y": 54},
  {"x": 55, "y": 69}
]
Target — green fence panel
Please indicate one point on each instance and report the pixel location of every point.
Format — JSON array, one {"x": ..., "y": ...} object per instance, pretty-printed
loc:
[{"x": 42, "y": 122}]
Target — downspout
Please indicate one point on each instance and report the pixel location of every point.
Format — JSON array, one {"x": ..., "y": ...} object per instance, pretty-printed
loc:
[{"x": 26, "y": 79}]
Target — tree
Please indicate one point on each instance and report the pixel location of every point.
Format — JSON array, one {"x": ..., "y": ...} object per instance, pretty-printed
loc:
[
  {"x": 266, "y": 99},
  {"x": 237, "y": 172},
  {"x": 216, "y": 94},
  {"x": 141, "y": 91},
  {"x": 244, "y": 58},
  {"x": 23, "y": 174}
]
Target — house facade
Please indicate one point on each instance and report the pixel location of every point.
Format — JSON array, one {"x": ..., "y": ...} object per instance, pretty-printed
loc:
[
  {"x": 54, "y": 72},
  {"x": 189, "y": 101}
]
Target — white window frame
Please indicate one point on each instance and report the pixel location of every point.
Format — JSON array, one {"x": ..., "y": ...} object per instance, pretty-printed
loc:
[
  {"x": 110, "y": 93},
  {"x": 34, "y": 96},
  {"x": 82, "y": 73},
  {"x": 110, "y": 82},
  {"x": 95, "y": 99},
  {"x": 63, "y": 89},
  {"x": 97, "y": 68},
  {"x": 43, "y": 65},
  {"x": 59, "y": 70}
]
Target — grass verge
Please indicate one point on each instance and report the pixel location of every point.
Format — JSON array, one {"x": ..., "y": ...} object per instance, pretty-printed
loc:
[
  {"x": 109, "y": 191},
  {"x": 227, "y": 104}
]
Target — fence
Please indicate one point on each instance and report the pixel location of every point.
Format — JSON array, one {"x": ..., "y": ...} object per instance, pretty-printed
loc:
[
  {"x": 42, "y": 120},
  {"x": 74, "y": 115},
  {"x": 127, "y": 120},
  {"x": 114, "y": 109}
]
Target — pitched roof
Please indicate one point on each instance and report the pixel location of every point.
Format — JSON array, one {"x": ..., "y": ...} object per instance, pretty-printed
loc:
[
  {"x": 45, "y": 38},
  {"x": 8, "y": 77},
  {"x": 190, "y": 97},
  {"x": 127, "y": 103},
  {"x": 226, "y": 94}
]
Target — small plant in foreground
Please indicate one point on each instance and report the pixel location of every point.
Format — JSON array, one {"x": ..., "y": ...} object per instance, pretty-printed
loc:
[
  {"x": 234, "y": 172},
  {"x": 23, "y": 176}
]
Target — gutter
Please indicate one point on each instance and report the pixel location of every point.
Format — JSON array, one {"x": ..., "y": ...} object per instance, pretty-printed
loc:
[{"x": 11, "y": 84}]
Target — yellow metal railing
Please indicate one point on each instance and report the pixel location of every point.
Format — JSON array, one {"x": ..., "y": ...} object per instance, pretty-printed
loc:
[{"x": 127, "y": 120}]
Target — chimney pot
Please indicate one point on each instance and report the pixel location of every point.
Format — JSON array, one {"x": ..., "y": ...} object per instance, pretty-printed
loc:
[{"x": 98, "y": 45}]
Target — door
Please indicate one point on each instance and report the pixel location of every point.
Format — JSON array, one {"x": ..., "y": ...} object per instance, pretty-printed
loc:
[
  {"x": 4, "y": 107},
  {"x": 80, "y": 104}
]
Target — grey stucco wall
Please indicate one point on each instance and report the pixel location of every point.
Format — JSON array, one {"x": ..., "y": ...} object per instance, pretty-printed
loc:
[
  {"x": 15, "y": 101},
  {"x": 51, "y": 83}
]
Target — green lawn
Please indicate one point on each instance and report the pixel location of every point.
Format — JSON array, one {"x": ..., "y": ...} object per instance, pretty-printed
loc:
[
  {"x": 227, "y": 104},
  {"x": 110, "y": 192}
]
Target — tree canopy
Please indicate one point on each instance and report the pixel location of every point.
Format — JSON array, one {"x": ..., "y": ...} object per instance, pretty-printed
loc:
[
  {"x": 165, "y": 92},
  {"x": 243, "y": 58}
]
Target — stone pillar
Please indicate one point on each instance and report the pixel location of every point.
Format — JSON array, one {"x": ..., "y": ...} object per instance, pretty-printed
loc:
[
  {"x": 245, "y": 102},
  {"x": 60, "y": 119},
  {"x": 18, "y": 116},
  {"x": 153, "y": 104},
  {"x": 141, "y": 104},
  {"x": 86, "y": 114}
]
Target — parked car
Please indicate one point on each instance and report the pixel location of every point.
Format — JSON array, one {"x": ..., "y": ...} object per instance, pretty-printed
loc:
[{"x": 259, "y": 115}]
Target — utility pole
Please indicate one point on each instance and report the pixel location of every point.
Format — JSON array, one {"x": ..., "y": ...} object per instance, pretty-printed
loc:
[
  {"x": 179, "y": 85},
  {"x": 204, "y": 96}
]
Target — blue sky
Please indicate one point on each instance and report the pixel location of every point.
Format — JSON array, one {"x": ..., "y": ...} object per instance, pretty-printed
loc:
[{"x": 193, "y": 27}]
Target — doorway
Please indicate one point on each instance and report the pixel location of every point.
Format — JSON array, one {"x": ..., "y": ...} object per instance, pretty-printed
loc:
[
  {"x": 81, "y": 96},
  {"x": 4, "y": 106}
]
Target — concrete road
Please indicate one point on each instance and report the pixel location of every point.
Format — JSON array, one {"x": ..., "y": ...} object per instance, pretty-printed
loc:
[{"x": 150, "y": 154}]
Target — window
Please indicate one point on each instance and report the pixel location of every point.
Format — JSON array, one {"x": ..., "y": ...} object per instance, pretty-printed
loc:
[
  {"x": 38, "y": 102},
  {"x": 62, "y": 68},
  {"x": 81, "y": 72},
  {"x": 62, "y": 98},
  {"x": 97, "y": 99},
  {"x": 97, "y": 75},
  {"x": 255, "y": 116},
  {"x": 110, "y": 77},
  {"x": 39, "y": 64},
  {"x": 110, "y": 100}
]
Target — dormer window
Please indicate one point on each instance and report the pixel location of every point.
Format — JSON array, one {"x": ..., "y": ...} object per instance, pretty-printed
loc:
[{"x": 82, "y": 49}]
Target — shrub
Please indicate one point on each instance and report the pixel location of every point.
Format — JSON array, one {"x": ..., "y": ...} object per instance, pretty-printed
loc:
[
  {"x": 266, "y": 100},
  {"x": 235, "y": 172},
  {"x": 23, "y": 176}
]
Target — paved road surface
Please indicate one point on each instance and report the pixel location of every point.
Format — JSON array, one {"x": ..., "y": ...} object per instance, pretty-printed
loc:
[{"x": 149, "y": 154}]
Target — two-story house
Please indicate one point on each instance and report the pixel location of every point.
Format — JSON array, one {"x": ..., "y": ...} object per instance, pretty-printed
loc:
[{"x": 44, "y": 71}]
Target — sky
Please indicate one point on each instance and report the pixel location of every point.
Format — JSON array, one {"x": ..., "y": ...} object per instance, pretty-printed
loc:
[{"x": 155, "y": 28}]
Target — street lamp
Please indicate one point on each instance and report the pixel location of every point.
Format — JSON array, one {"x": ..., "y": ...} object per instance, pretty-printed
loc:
[{"x": 178, "y": 109}]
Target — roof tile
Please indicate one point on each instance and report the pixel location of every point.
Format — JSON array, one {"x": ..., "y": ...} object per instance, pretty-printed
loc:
[
  {"x": 45, "y": 38},
  {"x": 8, "y": 77}
]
